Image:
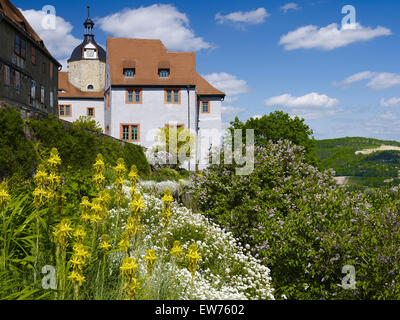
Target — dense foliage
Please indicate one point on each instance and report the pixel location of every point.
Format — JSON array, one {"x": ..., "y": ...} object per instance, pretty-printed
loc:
[
  {"x": 372, "y": 170},
  {"x": 17, "y": 155},
  {"x": 305, "y": 226},
  {"x": 279, "y": 126}
]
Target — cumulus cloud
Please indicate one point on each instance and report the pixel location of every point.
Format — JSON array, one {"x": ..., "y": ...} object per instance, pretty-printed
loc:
[
  {"x": 228, "y": 83},
  {"x": 59, "y": 41},
  {"x": 329, "y": 37},
  {"x": 311, "y": 100},
  {"x": 158, "y": 21},
  {"x": 377, "y": 80},
  {"x": 257, "y": 16},
  {"x": 392, "y": 102},
  {"x": 290, "y": 6}
]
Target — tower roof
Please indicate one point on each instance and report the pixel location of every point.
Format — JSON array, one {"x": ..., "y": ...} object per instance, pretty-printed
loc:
[{"x": 77, "y": 53}]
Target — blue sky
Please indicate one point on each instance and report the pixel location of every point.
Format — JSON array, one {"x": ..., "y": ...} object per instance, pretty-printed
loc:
[{"x": 293, "y": 56}]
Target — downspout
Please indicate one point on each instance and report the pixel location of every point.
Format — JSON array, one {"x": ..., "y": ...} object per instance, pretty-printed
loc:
[{"x": 188, "y": 95}]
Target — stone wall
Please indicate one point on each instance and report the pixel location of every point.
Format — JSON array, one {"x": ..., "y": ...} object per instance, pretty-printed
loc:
[{"x": 87, "y": 72}]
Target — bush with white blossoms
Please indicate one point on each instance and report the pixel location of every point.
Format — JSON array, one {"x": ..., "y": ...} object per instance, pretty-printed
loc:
[{"x": 226, "y": 269}]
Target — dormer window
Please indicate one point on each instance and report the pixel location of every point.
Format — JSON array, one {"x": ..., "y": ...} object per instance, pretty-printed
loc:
[
  {"x": 90, "y": 87},
  {"x": 163, "y": 73},
  {"x": 129, "y": 73}
]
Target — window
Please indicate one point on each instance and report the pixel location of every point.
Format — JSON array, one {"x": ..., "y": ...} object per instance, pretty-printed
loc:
[
  {"x": 42, "y": 94},
  {"x": 134, "y": 96},
  {"x": 163, "y": 73},
  {"x": 7, "y": 75},
  {"x": 175, "y": 126},
  {"x": 130, "y": 132},
  {"x": 51, "y": 70},
  {"x": 205, "y": 107},
  {"x": 90, "y": 87},
  {"x": 33, "y": 56},
  {"x": 129, "y": 73},
  {"x": 64, "y": 110},
  {"x": 51, "y": 99},
  {"x": 44, "y": 67},
  {"x": 173, "y": 96},
  {"x": 33, "y": 89},
  {"x": 20, "y": 47},
  {"x": 90, "y": 112},
  {"x": 17, "y": 80}
]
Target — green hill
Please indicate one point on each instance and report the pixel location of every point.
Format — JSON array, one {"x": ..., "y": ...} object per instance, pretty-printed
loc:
[{"x": 372, "y": 170}]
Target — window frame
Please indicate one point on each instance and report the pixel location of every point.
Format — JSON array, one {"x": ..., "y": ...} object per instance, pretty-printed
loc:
[
  {"x": 94, "y": 112},
  {"x": 65, "y": 110},
  {"x": 129, "y": 69},
  {"x": 201, "y": 106},
  {"x": 7, "y": 75},
  {"x": 33, "y": 56},
  {"x": 129, "y": 125},
  {"x": 133, "y": 96},
  {"x": 172, "y": 96},
  {"x": 164, "y": 70}
]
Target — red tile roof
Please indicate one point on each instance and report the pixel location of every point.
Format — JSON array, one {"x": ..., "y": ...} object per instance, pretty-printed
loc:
[{"x": 68, "y": 90}]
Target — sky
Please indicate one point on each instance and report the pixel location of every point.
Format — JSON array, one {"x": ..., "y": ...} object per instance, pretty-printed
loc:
[{"x": 338, "y": 71}]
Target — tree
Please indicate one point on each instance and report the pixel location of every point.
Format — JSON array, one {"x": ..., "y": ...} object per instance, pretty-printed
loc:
[
  {"x": 280, "y": 126},
  {"x": 177, "y": 142},
  {"x": 88, "y": 123}
]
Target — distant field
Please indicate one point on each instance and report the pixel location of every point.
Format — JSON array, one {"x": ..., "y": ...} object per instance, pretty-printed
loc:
[{"x": 363, "y": 162}]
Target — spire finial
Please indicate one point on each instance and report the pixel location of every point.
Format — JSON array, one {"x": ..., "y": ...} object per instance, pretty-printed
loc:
[{"x": 88, "y": 11}]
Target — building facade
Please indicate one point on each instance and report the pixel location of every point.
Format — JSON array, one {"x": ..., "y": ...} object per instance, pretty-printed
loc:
[
  {"x": 138, "y": 87},
  {"x": 29, "y": 79}
]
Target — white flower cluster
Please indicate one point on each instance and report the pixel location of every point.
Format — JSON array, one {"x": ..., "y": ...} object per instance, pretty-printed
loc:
[{"x": 226, "y": 270}]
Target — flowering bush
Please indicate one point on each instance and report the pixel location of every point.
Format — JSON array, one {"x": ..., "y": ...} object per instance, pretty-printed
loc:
[{"x": 304, "y": 227}]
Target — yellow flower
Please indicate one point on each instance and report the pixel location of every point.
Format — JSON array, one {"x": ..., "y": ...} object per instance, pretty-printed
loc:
[
  {"x": 120, "y": 169},
  {"x": 129, "y": 268},
  {"x": 104, "y": 243},
  {"x": 54, "y": 159},
  {"x": 193, "y": 258},
  {"x": 99, "y": 164},
  {"x": 85, "y": 217},
  {"x": 40, "y": 176},
  {"x": 124, "y": 244},
  {"x": 166, "y": 216},
  {"x": 133, "y": 175},
  {"x": 62, "y": 233},
  {"x": 167, "y": 198},
  {"x": 176, "y": 250},
  {"x": 85, "y": 204},
  {"x": 104, "y": 197},
  {"x": 151, "y": 259},
  {"x": 131, "y": 288},
  {"x": 53, "y": 180},
  {"x": 79, "y": 233},
  {"x": 77, "y": 278},
  {"x": 137, "y": 203},
  {"x": 39, "y": 196},
  {"x": 99, "y": 180},
  {"x": 4, "y": 195},
  {"x": 81, "y": 251}
]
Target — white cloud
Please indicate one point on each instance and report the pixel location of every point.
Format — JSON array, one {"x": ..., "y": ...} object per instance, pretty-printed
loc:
[
  {"x": 392, "y": 102},
  {"x": 311, "y": 100},
  {"x": 158, "y": 21},
  {"x": 329, "y": 37},
  {"x": 384, "y": 80},
  {"x": 231, "y": 110},
  {"x": 59, "y": 41},
  {"x": 257, "y": 16},
  {"x": 290, "y": 6},
  {"x": 257, "y": 116},
  {"x": 377, "y": 80},
  {"x": 228, "y": 83}
]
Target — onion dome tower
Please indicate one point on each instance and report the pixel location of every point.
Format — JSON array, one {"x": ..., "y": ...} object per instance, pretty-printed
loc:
[{"x": 86, "y": 66}]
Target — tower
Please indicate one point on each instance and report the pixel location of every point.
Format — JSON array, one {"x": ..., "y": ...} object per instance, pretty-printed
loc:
[{"x": 86, "y": 66}]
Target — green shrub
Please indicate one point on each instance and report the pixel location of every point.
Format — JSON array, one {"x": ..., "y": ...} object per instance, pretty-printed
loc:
[{"x": 17, "y": 155}]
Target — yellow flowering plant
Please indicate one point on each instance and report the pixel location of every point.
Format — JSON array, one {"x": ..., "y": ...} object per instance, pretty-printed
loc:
[{"x": 4, "y": 200}]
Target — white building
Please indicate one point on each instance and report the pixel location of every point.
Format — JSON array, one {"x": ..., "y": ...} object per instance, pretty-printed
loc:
[{"x": 146, "y": 88}]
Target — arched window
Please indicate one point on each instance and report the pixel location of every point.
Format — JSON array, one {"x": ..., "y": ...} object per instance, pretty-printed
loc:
[{"x": 90, "y": 87}]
